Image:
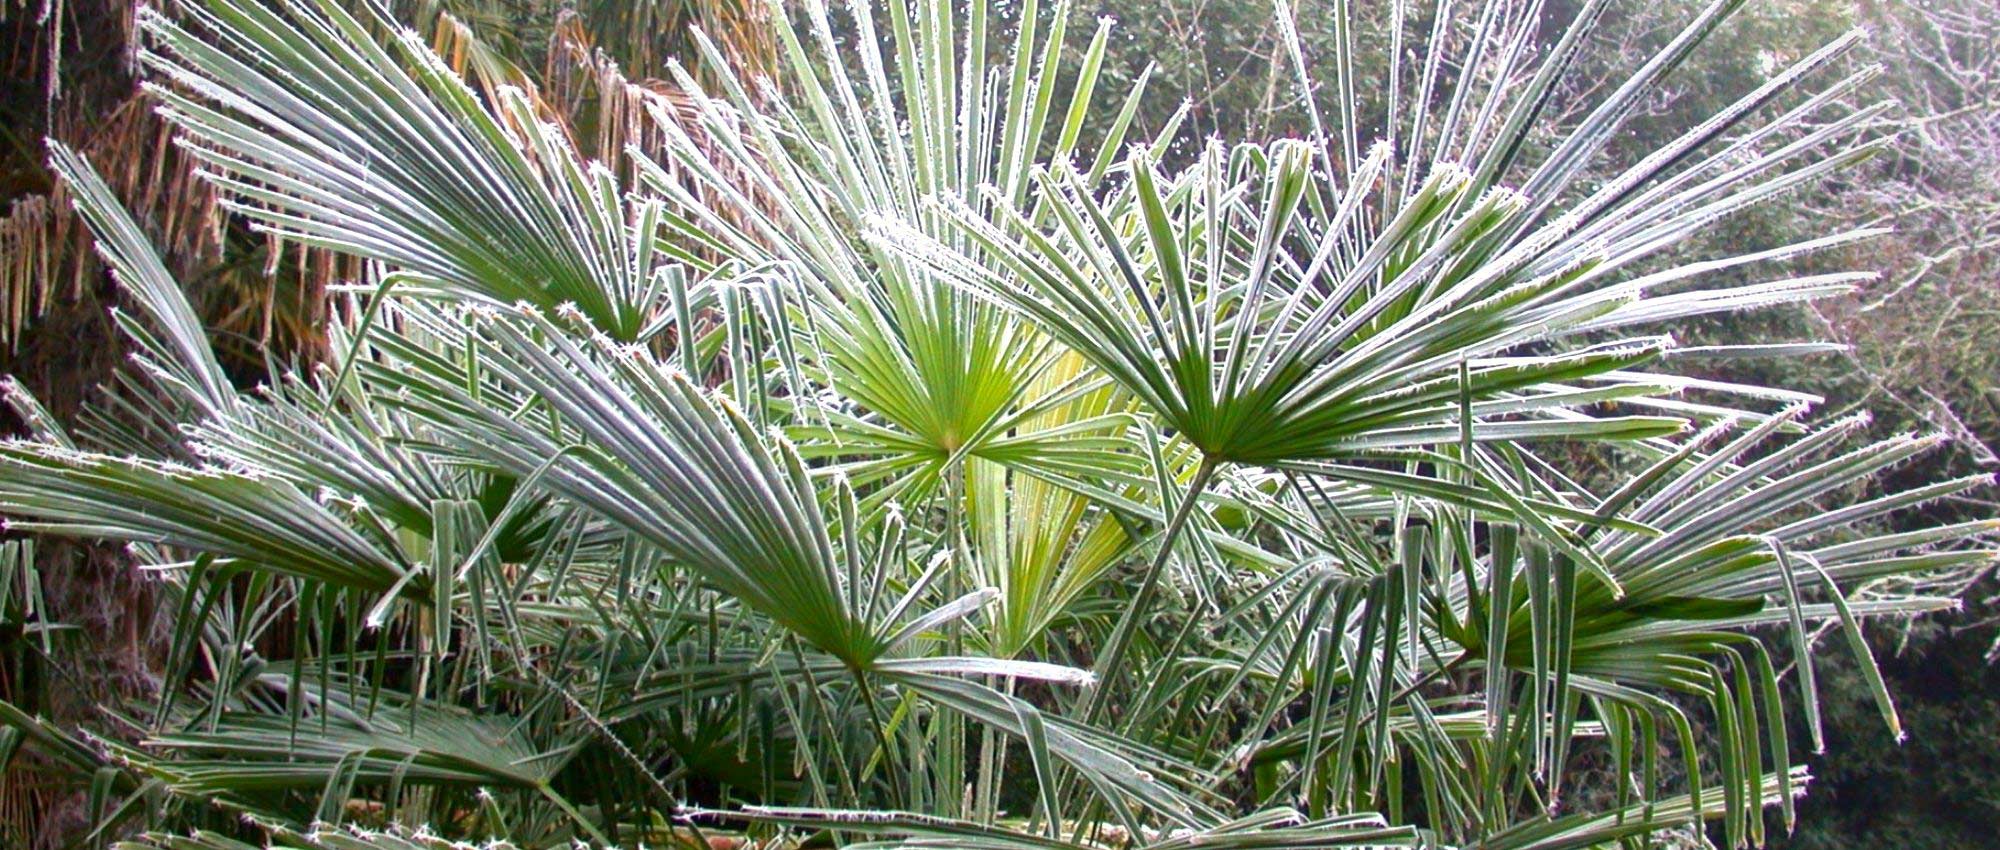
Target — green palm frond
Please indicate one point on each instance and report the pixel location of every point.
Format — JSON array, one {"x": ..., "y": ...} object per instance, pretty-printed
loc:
[
  {"x": 381, "y": 152},
  {"x": 937, "y": 377}
]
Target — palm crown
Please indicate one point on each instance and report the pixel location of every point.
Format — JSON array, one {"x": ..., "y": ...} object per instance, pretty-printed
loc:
[{"x": 787, "y": 483}]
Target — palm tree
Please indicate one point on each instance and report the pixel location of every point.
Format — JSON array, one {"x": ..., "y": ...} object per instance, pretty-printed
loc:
[
  {"x": 782, "y": 479},
  {"x": 260, "y": 297}
]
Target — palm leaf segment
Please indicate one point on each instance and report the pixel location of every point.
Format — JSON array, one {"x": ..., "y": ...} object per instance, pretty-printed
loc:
[
  {"x": 380, "y": 151},
  {"x": 858, "y": 133},
  {"x": 1272, "y": 309}
]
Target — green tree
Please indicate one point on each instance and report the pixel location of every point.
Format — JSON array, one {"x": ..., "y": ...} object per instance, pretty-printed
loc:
[{"x": 877, "y": 440}]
